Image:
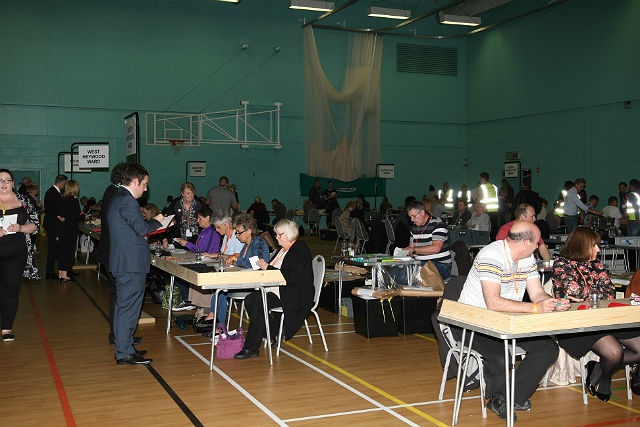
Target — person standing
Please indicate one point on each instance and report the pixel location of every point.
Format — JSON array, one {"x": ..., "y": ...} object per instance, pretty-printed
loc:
[
  {"x": 52, "y": 199},
  {"x": 489, "y": 198},
  {"x": 315, "y": 195},
  {"x": 633, "y": 208},
  {"x": 571, "y": 204},
  {"x": 69, "y": 217},
  {"x": 501, "y": 274},
  {"x": 220, "y": 198},
  {"x": 13, "y": 249},
  {"x": 129, "y": 259}
]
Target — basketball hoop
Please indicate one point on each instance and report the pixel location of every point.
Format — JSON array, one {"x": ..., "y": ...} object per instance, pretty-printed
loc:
[{"x": 177, "y": 145}]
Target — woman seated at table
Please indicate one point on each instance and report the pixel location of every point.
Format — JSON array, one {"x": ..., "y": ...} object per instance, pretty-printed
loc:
[
  {"x": 576, "y": 274},
  {"x": 296, "y": 298},
  {"x": 246, "y": 230},
  {"x": 208, "y": 242},
  {"x": 230, "y": 252}
]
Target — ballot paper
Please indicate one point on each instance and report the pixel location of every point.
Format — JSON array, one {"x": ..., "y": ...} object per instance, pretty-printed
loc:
[{"x": 8, "y": 220}]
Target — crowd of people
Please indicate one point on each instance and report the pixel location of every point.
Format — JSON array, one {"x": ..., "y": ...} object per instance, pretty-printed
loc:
[{"x": 503, "y": 272}]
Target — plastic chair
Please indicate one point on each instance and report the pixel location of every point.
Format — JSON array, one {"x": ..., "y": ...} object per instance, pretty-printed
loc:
[
  {"x": 314, "y": 221},
  {"x": 342, "y": 235},
  {"x": 391, "y": 235},
  {"x": 361, "y": 235},
  {"x": 318, "y": 266},
  {"x": 233, "y": 297}
]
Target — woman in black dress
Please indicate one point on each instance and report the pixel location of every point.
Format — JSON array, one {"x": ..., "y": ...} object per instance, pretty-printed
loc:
[
  {"x": 576, "y": 274},
  {"x": 69, "y": 216},
  {"x": 16, "y": 223}
]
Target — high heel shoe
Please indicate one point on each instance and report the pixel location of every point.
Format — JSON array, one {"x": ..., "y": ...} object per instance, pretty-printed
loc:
[
  {"x": 587, "y": 381},
  {"x": 603, "y": 396}
]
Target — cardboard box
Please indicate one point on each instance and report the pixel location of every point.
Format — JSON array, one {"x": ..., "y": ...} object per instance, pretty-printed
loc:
[
  {"x": 416, "y": 315},
  {"x": 373, "y": 317}
]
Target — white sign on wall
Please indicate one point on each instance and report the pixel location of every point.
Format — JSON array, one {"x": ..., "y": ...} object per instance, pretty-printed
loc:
[
  {"x": 511, "y": 170},
  {"x": 76, "y": 168},
  {"x": 197, "y": 168},
  {"x": 93, "y": 156},
  {"x": 386, "y": 171}
]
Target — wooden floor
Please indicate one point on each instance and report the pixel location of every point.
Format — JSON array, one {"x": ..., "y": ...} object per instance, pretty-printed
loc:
[{"x": 60, "y": 371}]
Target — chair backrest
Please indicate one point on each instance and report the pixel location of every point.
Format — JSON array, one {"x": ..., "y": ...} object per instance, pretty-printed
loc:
[
  {"x": 340, "y": 229},
  {"x": 361, "y": 233},
  {"x": 335, "y": 215},
  {"x": 291, "y": 214},
  {"x": 391, "y": 235},
  {"x": 461, "y": 257},
  {"x": 318, "y": 266},
  {"x": 314, "y": 216}
]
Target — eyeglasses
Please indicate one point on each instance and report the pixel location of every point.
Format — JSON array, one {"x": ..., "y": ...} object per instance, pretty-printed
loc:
[
  {"x": 239, "y": 233},
  {"x": 6, "y": 181},
  {"x": 279, "y": 235}
]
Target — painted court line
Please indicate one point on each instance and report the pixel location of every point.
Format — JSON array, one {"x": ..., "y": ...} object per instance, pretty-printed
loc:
[{"x": 57, "y": 380}]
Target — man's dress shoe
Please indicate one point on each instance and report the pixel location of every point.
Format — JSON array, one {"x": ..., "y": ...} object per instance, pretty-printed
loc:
[{"x": 133, "y": 359}]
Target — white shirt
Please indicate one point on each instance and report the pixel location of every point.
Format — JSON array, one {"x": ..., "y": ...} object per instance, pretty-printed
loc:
[{"x": 612, "y": 212}]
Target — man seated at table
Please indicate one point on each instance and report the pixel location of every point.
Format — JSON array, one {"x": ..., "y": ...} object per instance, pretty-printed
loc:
[
  {"x": 501, "y": 273},
  {"x": 428, "y": 243},
  {"x": 524, "y": 212},
  {"x": 461, "y": 215}
]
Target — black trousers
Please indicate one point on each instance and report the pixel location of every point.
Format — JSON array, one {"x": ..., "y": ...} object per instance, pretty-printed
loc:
[
  {"x": 257, "y": 328},
  {"x": 13, "y": 258},
  {"x": 52, "y": 252},
  {"x": 541, "y": 353}
]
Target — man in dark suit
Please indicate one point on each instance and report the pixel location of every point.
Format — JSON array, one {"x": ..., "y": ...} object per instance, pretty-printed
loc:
[
  {"x": 104, "y": 244},
  {"x": 129, "y": 259},
  {"x": 52, "y": 200}
]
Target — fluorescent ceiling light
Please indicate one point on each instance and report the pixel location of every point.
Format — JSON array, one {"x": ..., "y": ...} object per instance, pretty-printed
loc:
[
  {"x": 230, "y": 1},
  {"x": 383, "y": 12},
  {"x": 472, "y": 21},
  {"x": 317, "y": 5}
]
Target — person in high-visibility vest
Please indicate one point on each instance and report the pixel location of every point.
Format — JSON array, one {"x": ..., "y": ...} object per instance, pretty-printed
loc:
[
  {"x": 633, "y": 208},
  {"x": 465, "y": 194},
  {"x": 559, "y": 211},
  {"x": 445, "y": 195},
  {"x": 489, "y": 198}
]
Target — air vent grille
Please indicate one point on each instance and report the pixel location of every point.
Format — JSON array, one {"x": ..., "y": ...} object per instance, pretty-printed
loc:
[{"x": 415, "y": 58}]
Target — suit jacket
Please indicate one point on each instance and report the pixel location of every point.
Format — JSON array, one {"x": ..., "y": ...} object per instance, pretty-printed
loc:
[
  {"x": 103, "y": 246},
  {"x": 297, "y": 295},
  {"x": 52, "y": 199},
  {"x": 128, "y": 248}
]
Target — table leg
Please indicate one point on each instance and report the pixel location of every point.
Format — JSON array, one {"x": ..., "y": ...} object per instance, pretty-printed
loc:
[
  {"x": 213, "y": 331},
  {"x": 340, "y": 273},
  {"x": 263, "y": 292},
  {"x": 462, "y": 374},
  {"x": 171, "y": 279},
  {"x": 510, "y": 383}
]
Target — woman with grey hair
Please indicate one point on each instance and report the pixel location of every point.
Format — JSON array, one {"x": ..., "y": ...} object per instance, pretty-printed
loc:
[{"x": 296, "y": 298}]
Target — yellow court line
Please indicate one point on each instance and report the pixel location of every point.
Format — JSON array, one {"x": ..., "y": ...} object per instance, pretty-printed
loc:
[{"x": 369, "y": 386}]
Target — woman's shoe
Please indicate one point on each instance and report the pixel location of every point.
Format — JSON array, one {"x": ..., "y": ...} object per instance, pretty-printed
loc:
[
  {"x": 587, "y": 381},
  {"x": 603, "y": 396},
  {"x": 8, "y": 337},
  {"x": 245, "y": 354}
]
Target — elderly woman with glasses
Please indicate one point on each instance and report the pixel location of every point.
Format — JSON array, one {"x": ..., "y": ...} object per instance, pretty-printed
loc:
[
  {"x": 577, "y": 273},
  {"x": 296, "y": 298},
  {"x": 246, "y": 231}
]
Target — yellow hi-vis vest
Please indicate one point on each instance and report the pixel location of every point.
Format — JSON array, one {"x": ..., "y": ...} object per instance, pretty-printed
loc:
[
  {"x": 560, "y": 208},
  {"x": 631, "y": 210},
  {"x": 467, "y": 196},
  {"x": 448, "y": 203},
  {"x": 489, "y": 197}
]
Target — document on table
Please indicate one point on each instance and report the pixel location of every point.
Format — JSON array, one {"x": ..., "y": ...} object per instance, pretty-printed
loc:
[
  {"x": 8, "y": 220},
  {"x": 399, "y": 252},
  {"x": 254, "y": 262}
]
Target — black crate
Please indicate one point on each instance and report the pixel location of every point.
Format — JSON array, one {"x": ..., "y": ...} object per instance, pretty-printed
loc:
[
  {"x": 416, "y": 315},
  {"x": 369, "y": 319},
  {"x": 329, "y": 293}
]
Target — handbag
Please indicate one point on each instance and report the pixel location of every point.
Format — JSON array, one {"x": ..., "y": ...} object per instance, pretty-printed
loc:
[
  {"x": 176, "y": 300},
  {"x": 429, "y": 276},
  {"x": 229, "y": 343}
]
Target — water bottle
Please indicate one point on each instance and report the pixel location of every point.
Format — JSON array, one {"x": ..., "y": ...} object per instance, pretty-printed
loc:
[
  {"x": 198, "y": 255},
  {"x": 345, "y": 250}
]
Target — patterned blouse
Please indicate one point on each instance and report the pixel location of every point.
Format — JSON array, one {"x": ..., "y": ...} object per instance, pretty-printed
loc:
[{"x": 577, "y": 278}]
